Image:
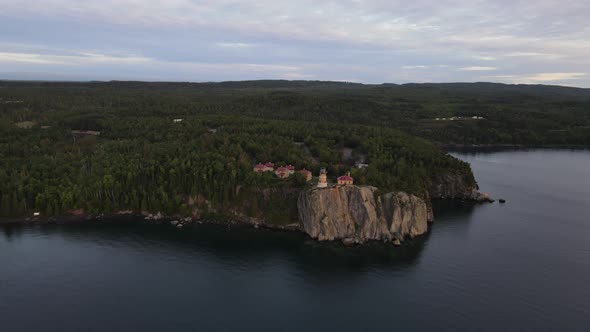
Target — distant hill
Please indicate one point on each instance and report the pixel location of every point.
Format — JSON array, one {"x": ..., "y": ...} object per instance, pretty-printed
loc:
[{"x": 505, "y": 113}]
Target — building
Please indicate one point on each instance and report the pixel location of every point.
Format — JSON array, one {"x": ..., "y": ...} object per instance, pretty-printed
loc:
[
  {"x": 306, "y": 174},
  {"x": 323, "y": 180},
  {"x": 178, "y": 120},
  {"x": 259, "y": 168},
  {"x": 82, "y": 133},
  {"x": 269, "y": 167},
  {"x": 282, "y": 172},
  {"x": 361, "y": 164},
  {"x": 345, "y": 179},
  {"x": 291, "y": 169}
]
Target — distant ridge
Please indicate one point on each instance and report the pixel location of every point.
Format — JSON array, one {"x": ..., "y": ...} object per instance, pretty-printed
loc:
[{"x": 485, "y": 88}]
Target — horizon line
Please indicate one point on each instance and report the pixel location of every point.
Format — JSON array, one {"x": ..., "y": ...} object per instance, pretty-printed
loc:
[{"x": 278, "y": 80}]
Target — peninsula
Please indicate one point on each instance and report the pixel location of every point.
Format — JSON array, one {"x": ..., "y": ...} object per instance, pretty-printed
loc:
[{"x": 340, "y": 161}]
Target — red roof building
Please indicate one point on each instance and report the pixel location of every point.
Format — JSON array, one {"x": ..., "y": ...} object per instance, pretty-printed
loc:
[
  {"x": 282, "y": 172},
  {"x": 307, "y": 174},
  {"x": 345, "y": 179},
  {"x": 259, "y": 168},
  {"x": 269, "y": 167}
]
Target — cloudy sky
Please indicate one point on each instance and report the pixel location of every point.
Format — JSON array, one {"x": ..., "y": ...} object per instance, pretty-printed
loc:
[{"x": 369, "y": 41}]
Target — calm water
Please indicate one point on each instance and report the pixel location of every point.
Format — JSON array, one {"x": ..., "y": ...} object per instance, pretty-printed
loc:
[{"x": 520, "y": 266}]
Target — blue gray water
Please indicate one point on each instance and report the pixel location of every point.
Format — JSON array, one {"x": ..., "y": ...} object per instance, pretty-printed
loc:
[{"x": 520, "y": 266}]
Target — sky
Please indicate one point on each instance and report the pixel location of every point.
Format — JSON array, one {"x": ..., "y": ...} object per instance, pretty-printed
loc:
[{"x": 367, "y": 41}]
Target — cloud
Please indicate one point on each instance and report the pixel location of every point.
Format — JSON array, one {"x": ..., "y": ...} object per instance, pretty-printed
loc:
[
  {"x": 551, "y": 77},
  {"x": 538, "y": 77},
  {"x": 484, "y": 58},
  {"x": 234, "y": 45},
  {"x": 424, "y": 67},
  {"x": 416, "y": 67},
  {"x": 478, "y": 68},
  {"x": 372, "y": 40},
  {"x": 159, "y": 68},
  {"x": 80, "y": 59},
  {"x": 28, "y": 58}
]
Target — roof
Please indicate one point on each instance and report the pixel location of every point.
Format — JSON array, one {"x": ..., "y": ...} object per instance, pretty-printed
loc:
[
  {"x": 281, "y": 169},
  {"x": 290, "y": 167},
  {"x": 259, "y": 166},
  {"x": 304, "y": 171},
  {"x": 269, "y": 164},
  {"x": 345, "y": 178}
]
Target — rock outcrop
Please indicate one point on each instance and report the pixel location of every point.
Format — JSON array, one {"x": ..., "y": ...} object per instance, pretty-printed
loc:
[
  {"x": 356, "y": 214},
  {"x": 460, "y": 187}
]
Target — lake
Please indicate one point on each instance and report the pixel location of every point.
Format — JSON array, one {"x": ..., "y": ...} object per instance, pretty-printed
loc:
[{"x": 524, "y": 265}]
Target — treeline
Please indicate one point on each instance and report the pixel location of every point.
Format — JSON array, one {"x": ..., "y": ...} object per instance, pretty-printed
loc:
[
  {"x": 513, "y": 114},
  {"x": 144, "y": 162}
]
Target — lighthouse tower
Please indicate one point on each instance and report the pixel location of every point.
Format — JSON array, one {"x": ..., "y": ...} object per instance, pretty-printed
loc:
[{"x": 323, "y": 182}]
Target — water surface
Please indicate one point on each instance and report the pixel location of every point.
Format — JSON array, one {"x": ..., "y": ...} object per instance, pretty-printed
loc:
[{"x": 521, "y": 266}]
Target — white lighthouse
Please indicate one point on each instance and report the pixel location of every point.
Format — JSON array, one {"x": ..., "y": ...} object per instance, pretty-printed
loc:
[{"x": 323, "y": 181}]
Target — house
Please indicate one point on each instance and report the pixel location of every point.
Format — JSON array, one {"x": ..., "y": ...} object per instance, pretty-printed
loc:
[
  {"x": 269, "y": 167},
  {"x": 306, "y": 174},
  {"x": 360, "y": 165},
  {"x": 291, "y": 169},
  {"x": 345, "y": 179},
  {"x": 282, "y": 172},
  {"x": 36, "y": 214},
  {"x": 259, "y": 168},
  {"x": 178, "y": 120},
  {"x": 85, "y": 133},
  {"x": 323, "y": 180}
]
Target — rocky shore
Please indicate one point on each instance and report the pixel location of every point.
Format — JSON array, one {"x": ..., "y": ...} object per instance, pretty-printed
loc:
[
  {"x": 457, "y": 187},
  {"x": 351, "y": 214}
]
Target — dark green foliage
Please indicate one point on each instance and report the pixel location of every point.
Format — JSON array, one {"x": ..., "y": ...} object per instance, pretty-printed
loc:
[{"x": 142, "y": 161}]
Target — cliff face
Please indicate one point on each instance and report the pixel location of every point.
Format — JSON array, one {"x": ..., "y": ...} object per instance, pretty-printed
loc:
[
  {"x": 450, "y": 186},
  {"x": 356, "y": 214}
]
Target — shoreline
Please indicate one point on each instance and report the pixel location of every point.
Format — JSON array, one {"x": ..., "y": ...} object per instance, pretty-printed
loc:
[
  {"x": 505, "y": 147},
  {"x": 178, "y": 222},
  {"x": 187, "y": 222}
]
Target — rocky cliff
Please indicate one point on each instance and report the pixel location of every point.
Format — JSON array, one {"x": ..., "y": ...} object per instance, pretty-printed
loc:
[
  {"x": 357, "y": 214},
  {"x": 463, "y": 187}
]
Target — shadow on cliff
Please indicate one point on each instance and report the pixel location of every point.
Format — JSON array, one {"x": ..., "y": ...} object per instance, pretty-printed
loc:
[
  {"x": 452, "y": 210},
  {"x": 239, "y": 244}
]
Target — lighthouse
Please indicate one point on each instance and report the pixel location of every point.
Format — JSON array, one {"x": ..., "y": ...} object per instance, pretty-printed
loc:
[{"x": 323, "y": 181}]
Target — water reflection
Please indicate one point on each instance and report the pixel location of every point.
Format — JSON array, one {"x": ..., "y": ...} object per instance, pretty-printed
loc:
[
  {"x": 238, "y": 245},
  {"x": 454, "y": 211},
  {"x": 517, "y": 266},
  {"x": 244, "y": 248}
]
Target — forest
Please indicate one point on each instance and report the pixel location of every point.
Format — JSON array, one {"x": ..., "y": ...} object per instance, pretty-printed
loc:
[{"x": 137, "y": 158}]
